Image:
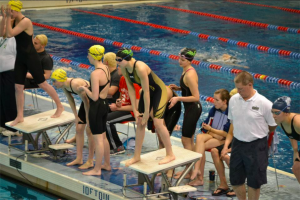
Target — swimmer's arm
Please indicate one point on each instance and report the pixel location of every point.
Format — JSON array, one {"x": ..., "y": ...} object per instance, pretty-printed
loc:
[
  {"x": 71, "y": 102},
  {"x": 22, "y": 26},
  {"x": 295, "y": 149},
  {"x": 141, "y": 71},
  {"x": 297, "y": 123},
  {"x": 94, "y": 95},
  {"x": 2, "y": 26},
  {"x": 192, "y": 82},
  {"x": 86, "y": 103},
  {"x": 218, "y": 132},
  {"x": 131, "y": 90},
  {"x": 229, "y": 136},
  {"x": 112, "y": 90}
]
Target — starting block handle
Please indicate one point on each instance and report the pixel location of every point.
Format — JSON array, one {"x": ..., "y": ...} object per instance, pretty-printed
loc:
[
  {"x": 145, "y": 191},
  {"x": 9, "y": 143},
  {"x": 26, "y": 149}
]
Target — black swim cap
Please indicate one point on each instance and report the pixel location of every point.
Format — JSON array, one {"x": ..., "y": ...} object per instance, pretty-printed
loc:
[
  {"x": 125, "y": 53},
  {"x": 282, "y": 103},
  {"x": 188, "y": 53}
]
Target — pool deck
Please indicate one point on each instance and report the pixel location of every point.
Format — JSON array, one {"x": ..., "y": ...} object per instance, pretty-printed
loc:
[{"x": 68, "y": 182}]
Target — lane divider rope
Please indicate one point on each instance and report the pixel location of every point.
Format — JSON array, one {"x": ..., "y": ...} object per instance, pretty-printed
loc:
[
  {"x": 201, "y": 64},
  {"x": 268, "y": 6},
  {"x": 232, "y": 19},
  {"x": 203, "y": 36},
  {"x": 89, "y": 67}
]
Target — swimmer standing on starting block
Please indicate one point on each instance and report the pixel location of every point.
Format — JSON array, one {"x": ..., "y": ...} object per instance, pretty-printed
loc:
[
  {"x": 138, "y": 72},
  {"x": 27, "y": 58}
]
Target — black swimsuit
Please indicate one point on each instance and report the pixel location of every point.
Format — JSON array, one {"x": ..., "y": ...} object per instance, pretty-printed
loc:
[
  {"x": 98, "y": 111},
  {"x": 157, "y": 90},
  {"x": 192, "y": 112},
  {"x": 293, "y": 135},
  {"x": 27, "y": 59},
  {"x": 81, "y": 111}
]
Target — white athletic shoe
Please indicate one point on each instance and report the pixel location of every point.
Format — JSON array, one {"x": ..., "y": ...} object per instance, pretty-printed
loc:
[{"x": 10, "y": 133}]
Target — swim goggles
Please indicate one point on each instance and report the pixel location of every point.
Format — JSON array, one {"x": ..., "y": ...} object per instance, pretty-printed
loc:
[
  {"x": 121, "y": 59},
  {"x": 183, "y": 56},
  {"x": 278, "y": 112}
]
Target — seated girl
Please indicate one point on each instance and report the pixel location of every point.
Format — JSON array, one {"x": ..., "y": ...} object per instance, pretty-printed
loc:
[{"x": 214, "y": 129}]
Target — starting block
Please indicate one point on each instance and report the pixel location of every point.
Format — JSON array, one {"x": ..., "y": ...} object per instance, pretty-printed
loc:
[
  {"x": 149, "y": 166},
  {"x": 40, "y": 123}
]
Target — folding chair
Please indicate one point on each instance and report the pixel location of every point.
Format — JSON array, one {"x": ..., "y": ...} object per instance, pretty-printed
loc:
[
  {"x": 33, "y": 92},
  {"x": 127, "y": 134}
]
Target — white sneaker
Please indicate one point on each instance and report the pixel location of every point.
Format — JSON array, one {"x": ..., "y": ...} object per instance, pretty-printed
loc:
[{"x": 10, "y": 133}]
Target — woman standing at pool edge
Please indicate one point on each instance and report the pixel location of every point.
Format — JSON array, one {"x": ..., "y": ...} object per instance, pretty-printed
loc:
[
  {"x": 98, "y": 111},
  {"x": 152, "y": 86},
  {"x": 190, "y": 98},
  {"x": 27, "y": 59}
]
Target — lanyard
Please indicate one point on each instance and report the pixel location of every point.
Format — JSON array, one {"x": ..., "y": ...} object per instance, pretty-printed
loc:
[{"x": 2, "y": 42}]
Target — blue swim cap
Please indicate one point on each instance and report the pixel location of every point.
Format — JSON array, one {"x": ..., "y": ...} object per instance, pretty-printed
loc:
[{"x": 282, "y": 103}]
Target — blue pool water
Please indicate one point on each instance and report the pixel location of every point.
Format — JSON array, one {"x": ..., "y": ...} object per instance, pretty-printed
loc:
[
  {"x": 11, "y": 189},
  {"x": 75, "y": 48}
]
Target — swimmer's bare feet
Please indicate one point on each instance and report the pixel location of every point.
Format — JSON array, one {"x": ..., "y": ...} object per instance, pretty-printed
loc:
[
  {"x": 132, "y": 161},
  {"x": 167, "y": 159},
  {"x": 195, "y": 173},
  {"x": 196, "y": 182},
  {"x": 92, "y": 172},
  {"x": 72, "y": 140},
  {"x": 86, "y": 165},
  {"x": 17, "y": 120},
  {"x": 106, "y": 167},
  {"x": 188, "y": 176},
  {"x": 58, "y": 112},
  {"x": 75, "y": 162}
]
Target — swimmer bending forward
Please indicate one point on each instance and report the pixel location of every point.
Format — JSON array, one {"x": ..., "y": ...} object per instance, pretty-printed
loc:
[{"x": 138, "y": 72}]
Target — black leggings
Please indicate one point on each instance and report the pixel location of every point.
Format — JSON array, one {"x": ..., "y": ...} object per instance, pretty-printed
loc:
[
  {"x": 8, "y": 107},
  {"x": 31, "y": 63},
  {"x": 111, "y": 132}
]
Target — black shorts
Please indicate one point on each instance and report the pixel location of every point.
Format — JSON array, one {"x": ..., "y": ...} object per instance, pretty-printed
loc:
[
  {"x": 98, "y": 116},
  {"x": 31, "y": 63},
  {"x": 220, "y": 148},
  {"x": 30, "y": 84},
  {"x": 171, "y": 118},
  {"x": 191, "y": 115},
  {"x": 249, "y": 160},
  {"x": 158, "y": 102},
  {"x": 82, "y": 114}
]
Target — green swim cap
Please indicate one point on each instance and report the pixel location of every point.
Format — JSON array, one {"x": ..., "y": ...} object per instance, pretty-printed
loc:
[
  {"x": 125, "y": 53},
  {"x": 188, "y": 53}
]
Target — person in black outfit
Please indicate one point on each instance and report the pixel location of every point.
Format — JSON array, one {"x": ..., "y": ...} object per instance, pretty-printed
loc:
[
  {"x": 39, "y": 43},
  {"x": 290, "y": 124},
  {"x": 20, "y": 27}
]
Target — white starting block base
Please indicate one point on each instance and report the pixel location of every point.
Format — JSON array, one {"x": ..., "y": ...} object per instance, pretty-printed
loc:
[
  {"x": 149, "y": 161},
  {"x": 149, "y": 164},
  {"x": 40, "y": 123},
  {"x": 61, "y": 146},
  {"x": 182, "y": 189}
]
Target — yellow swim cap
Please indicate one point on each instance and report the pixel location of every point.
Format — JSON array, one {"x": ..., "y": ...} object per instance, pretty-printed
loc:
[
  {"x": 233, "y": 92},
  {"x": 96, "y": 51},
  {"x": 16, "y": 5},
  {"x": 59, "y": 75}
]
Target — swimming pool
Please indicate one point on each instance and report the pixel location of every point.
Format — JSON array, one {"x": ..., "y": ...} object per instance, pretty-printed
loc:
[
  {"x": 74, "y": 48},
  {"x": 12, "y": 189}
]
